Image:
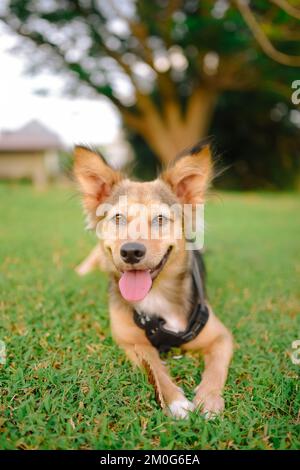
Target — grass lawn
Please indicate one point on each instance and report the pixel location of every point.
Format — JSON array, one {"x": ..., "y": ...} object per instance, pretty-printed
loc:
[{"x": 66, "y": 385}]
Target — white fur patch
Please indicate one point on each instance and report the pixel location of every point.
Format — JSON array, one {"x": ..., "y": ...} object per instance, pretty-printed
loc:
[
  {"x": 180, "y": 408},
  {"x": 156, "y": 304}
]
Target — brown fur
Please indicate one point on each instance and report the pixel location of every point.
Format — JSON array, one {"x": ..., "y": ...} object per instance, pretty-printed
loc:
[{"x": 186, "y": 182}]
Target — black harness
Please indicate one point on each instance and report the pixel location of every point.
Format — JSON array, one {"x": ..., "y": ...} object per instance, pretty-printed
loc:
[{"x": 164, "y": 339}]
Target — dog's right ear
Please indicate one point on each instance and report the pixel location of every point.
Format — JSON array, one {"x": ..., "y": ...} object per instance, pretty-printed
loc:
[{"x": 96, "y": 179}]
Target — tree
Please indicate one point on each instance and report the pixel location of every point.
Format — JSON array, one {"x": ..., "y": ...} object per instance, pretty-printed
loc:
[{"x": 174, "y": 58}]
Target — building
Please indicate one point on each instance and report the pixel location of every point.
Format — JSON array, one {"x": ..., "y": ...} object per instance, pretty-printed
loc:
[{"x": 30, "y": 152}]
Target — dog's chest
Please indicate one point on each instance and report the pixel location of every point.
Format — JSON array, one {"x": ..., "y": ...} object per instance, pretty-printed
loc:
[{"x": 155, "y": 303}]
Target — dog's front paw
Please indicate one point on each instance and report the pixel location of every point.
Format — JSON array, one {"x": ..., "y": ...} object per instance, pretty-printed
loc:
[
  {"x": 180, "y": 408},
  {"x": 211, "y": 403}
]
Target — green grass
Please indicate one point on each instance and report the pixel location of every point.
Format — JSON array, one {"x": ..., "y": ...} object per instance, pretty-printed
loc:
[{"x": 66, "y": 385}]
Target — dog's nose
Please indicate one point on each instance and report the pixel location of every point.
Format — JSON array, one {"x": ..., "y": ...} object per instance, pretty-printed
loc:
[{"x": 132, "y": 252}]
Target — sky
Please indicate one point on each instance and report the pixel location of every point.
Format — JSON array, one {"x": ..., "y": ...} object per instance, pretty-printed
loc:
[{"x": 75, "y": 120}]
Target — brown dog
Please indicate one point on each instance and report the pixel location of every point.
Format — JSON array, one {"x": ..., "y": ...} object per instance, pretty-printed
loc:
[{"x": 152, "y": 275}]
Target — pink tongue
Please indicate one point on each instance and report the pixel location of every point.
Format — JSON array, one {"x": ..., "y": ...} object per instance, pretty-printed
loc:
[{"x": 135, "y": 285}]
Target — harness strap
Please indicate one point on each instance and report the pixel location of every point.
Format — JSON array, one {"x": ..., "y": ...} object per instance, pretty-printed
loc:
[{"x": 164, "y": 339}]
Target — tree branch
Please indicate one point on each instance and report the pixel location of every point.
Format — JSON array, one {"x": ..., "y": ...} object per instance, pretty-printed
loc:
[
  {"x": 101, "y": 41},
  {"x": 262, "y": 39},
  {"x": 135, "y": 120},
  {"x": 288, "y": 8},
  {"x": 140, "y": 31}
]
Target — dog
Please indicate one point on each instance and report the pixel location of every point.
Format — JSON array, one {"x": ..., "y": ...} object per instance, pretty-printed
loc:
[{"x": 156, "y": 284}]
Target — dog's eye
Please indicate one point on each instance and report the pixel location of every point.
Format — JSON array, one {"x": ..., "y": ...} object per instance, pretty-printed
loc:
[
  {"x": 119, "y": 219},
  {"x": 159, "y": 220}
]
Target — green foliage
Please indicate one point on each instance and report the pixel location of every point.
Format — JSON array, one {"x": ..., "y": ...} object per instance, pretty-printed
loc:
[
  {"x": 66, "y": 385},
  {"x": 258, "y": 144},
  {"x": 255, "y": 144},
  {"x": 196, "y": 27},
  {"x": 81, "y": 40}
]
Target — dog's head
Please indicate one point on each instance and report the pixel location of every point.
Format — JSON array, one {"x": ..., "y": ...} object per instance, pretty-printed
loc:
[{"x": 141, "y": 224}]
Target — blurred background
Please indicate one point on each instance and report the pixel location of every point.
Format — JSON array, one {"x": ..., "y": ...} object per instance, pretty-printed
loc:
[{"x": 141, "y": 80}]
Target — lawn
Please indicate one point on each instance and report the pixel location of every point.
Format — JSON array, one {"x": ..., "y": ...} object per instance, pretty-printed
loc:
[{"x": 65, "y": 385}]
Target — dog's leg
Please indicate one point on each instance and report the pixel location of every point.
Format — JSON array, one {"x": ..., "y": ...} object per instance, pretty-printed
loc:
[
  {"x": 168, "y": 393},
  {"x": 141, "y": 353},
  {"x": 215, "y": 342},
  {"x": 216, "y": 360},
  {"x": 89, "y": 263}
]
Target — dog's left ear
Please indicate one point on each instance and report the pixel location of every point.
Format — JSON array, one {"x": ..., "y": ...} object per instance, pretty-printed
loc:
[{"x": 191, "y": 175}]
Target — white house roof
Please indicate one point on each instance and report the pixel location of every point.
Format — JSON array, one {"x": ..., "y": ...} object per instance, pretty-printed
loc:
[{"x": 33, "y": 136}]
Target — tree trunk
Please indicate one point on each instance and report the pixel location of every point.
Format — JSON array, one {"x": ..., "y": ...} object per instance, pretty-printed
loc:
[{"x": 169, "y": 132}]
